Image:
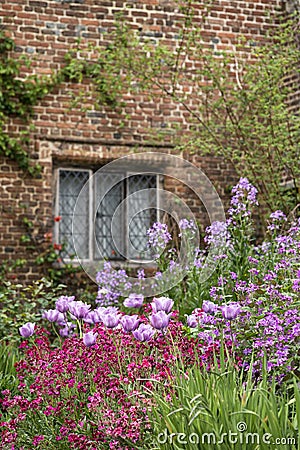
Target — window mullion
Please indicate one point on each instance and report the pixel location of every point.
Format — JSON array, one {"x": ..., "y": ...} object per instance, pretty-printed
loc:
[{"x": 91, "y": 217}]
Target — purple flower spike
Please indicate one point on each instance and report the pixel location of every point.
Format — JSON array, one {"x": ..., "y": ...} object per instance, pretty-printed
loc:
[
  {"x": 162, "y": 304},
  {"x": 134, "y": 301},
  {"x": 130, "y": 323},
  {"x": 27, "y": 330},
  {"x": 110, "y": 320},
  {"x": 160, "y": 320},
  {"x": 231, "y": 311},
  {"x": 52, "y": 315},
  {"x": 79, "y": 309},
  {"x": 209, "y": 307},
  {"x": 185, "y": 224},
  {"x": 89, "y": 338},
  {"x": 192, "y": 321},
  {"x": 144, "y": 333}
]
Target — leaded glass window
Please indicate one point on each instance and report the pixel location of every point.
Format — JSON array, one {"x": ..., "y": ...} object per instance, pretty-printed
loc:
[{"x": 112, "y": 220}]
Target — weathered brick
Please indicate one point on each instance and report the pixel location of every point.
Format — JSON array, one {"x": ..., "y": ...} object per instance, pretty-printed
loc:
[{"x": 63, "y": 135}]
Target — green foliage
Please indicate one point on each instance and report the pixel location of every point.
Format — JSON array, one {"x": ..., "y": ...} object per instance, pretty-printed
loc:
[
  {"x": 243, "y": 93},
  {"x": 19, "y": 95},
  {"x": 212, "y": 404},
  {"x": 9, "y": 355},
  {"x": 17, "y": 99},
  {"x": 19, "y": 305}
]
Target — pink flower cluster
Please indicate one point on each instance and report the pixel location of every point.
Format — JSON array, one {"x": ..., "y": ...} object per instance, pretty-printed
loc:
[{"x": 95, "y": 394}]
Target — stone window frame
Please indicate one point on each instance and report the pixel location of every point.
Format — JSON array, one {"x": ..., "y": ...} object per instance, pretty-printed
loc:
[{"x": 91, "y": 213}]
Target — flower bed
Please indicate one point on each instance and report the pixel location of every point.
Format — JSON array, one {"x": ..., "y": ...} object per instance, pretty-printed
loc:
[{"x": 112, "y": 372}]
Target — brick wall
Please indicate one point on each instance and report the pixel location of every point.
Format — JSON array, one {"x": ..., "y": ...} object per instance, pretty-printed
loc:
[{"x": 45, "y": 30}]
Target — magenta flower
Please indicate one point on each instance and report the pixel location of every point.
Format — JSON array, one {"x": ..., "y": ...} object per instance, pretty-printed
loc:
[
  {"x": 27, "y": 330},
  {"x": 89, "y": 338},
  {"x": 162, "y": 304},
  {"x": 130, "y": 323},
  {"x": 144, "y": 333},
  {"x": 134, "y": 301},
  {"x": 79, "y": 309},
  {"x": 230, "y": 311}
]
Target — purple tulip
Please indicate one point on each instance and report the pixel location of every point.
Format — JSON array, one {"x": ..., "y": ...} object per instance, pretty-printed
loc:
[
  {"x": 160, "y": 320},
  {"x": 162, "y": 304},
  {"x": 89, "y": 338},
  {"x": 110, "y": 320},
  {"x": 61, "y": 319},
  {"x": 62, "y": 303},
  {"x": 231, "y": 311},
  {"x": 79, "y": 309},
  {"x": 52, "y": 315},
  {"x": 134, "y": 301},
  {"x": 130, "y": 323},
  {"x": 67, "y": 330},
  {"x": 209, "y": 307},
  {"x": 92, "y": 317},
  {"x": 27, "y": 330},
  {"x": 192, "y": 321},
  {"x": 144, "y": 333}
]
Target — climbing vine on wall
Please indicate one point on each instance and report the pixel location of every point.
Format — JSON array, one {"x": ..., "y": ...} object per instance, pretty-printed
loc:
[
  {"x": 17, "y": 99},
  {"x": 19, "y": 94}
]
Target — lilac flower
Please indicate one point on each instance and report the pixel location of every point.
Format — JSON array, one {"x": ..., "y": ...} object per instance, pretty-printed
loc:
[
  {"x": 296, "y": 285},
  {"x": 79, "y": 309},
  {"x": 185, "y": 224},
  {"x": 162, "y": 304},
  {"x": 52, "y": 315},
  {"x": 173, "y": 266},
  {"x": 209, "y": 307},
  {"x": 217, "y": 234},
  {"x": 231, "y": 311},
  {"x": 141, "y": 274},
  {"x": 253, "y": 260},
  {"x": 134, "y": 301},
  {"x": 130, "y": 323},
  {"x": 144, "y": 333},
  {"x": 158, "y": 235},
  {"x": 160, "y": 320},
  {"x": 62, "y": 303},
  {"x": 244, "y": 190},
  {"x": 89, "y": 338},
  {"x": 276, "y": 217},
  {"x": 27, "y": 329},
  {"x": 111, "y": 283},
  {"x": 110, "y": 320}
]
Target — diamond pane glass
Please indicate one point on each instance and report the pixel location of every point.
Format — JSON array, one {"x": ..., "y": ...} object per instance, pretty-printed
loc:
[
  {"x": 109, "y": 233},
  {"x": 141, "y": 214},
  {"x": 70, "y": 184}
]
